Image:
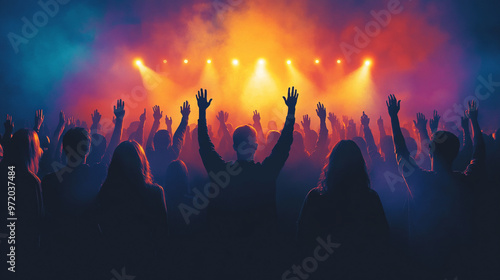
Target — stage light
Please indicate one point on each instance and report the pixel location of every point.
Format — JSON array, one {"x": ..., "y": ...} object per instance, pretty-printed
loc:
[
  {"x": 138, "y": 62},
  {"x": 288, "y": 62},
  {"x": 209, "y": 61},
  {"x": 186, "y": 61},
  {"x": 262, "y": 61},
  {"x": 235, "y": 62},
  {"x": 164, "y": 61},
  {"x": 339, "y": 61},
  {"x": 368, "y": 62},
  {"x": 316, "y": 61}
]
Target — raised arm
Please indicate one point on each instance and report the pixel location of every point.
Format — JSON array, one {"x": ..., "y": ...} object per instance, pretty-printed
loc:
[
  {"x": 261, "y": 138},
  {"x": 119, "y": 111},
  {"x": 370, "y": 141},
  {"x": 381, "y": 129},
  {"x": 178, "y": 138},
  {"x": 9, "y": 128},
  {"x": 223, "y": 132},
  {"x": 421, "y": 125},
  {"x": 211, "y": 159},
  {"x": 138, "y": 135},
  {"x": 96, "y": 118},
  {"x": 434, "y": 122},
  {"x": 467, "y": 141},
  {"x": 276, "y": 160},
  {"x": 157, "y": 115},
  {"x": 393, "y": 106},
  {"x": 321, "y": 148},
  {"x": 168, "y": 122},
  {"x": 38, "y": 120},
  {"x": 479, "y": 155}
]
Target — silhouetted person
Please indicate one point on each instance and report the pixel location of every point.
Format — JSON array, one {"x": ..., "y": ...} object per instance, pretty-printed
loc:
[
  {"x": 132, "y": 212},
  {"x": 242, "y": 216},
  {"x": 161, "y": 149},
  {"x": 343, "y": 209},
  {"x": 440, "y": 210},
  {"x": 21, "y": 198}
]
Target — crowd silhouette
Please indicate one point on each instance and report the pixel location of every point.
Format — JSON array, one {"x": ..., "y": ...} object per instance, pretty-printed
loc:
[{"x": 244, "y": 203}]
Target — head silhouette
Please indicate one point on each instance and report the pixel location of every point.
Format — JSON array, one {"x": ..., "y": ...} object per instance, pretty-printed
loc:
[
  {"x": 76, "y": 146},
  {"x": 162, "y": 140},
  {"x": 272, "y": 138},
  {"x": 129, "y": 166},
  {"x": 177, "y": 178},
  {"x": 245, "y": 142},
  {"x": 444, "y": 149},
  {"x": 345, "y": 171},
  {"x": 24, "y": 151},
  {"x": 298, "y": 145}
]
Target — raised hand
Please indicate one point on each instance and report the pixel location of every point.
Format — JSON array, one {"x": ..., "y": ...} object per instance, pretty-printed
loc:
[
  {"x": 434, "y": 122},
  {"x": 291, "y": 100},
  {"x": 201, "y": 98},
  {"x": 185, "y": 109},
  {"x": 8, "y": 124},
  {"x": 393, "y": 105},
  {"x": 380, "y": 122},
  {"x": 142, "y": 117},
  {"x": 71, "y": 122},
  {"x": 321, "y": 111},
  {"x": 365, "y": 120},
  {"x": 345, "y": 120},
  {"x": 222, "y": 116},
  {"x": 472, "y": 112},
  {"x": 464, "y": 122},
  {"x": 96, "y": 117},
  {"x": 38, "y": 119},
  {"x": 306, "y": 122},
  {"x": 62, "y": 118},
  {"x": 119, "y": 109},
  {"x": 421, "y": 122},
  {"x": 157, "y": 113},
  {"x": 332, "y": 118},
  {"x": 256, "y": 116},
  {"x": 168, "y": 121}
]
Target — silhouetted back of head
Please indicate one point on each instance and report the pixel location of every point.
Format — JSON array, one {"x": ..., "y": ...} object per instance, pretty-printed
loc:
[
  {"x": 298, "y": 142},
  {"x": 162, "y": 140},
  {"x": 444, "y": 147},
  {"x": 345, "y": 171},
  {"x": 245, "y": 142},
  {"x": 177, "y": 178},
  {"x": 76, "y": 145},
  {"x": 271, "y": 125},
  {"x": 97, "y": 148},
  {"x": 272, "y": 138},
  {"x": 24, "y": 151},
  {"x": 129, "y": 167}
]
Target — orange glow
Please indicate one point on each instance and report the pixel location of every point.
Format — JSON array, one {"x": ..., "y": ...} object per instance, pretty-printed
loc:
[
  {"x": 339, "y": 61},
  {"x": 235, "y": 62},
  {"x": 317, "y": 61},
  {"x": 164, "y": 61},
  {"x": 288, "y": 62},
  {"x": 209, "y": 61},
  {"x": 368, "y": 62},
  {"x": 186, "y": 61}
]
